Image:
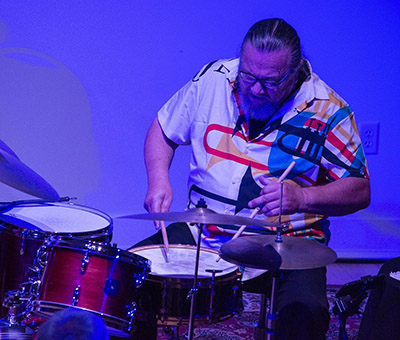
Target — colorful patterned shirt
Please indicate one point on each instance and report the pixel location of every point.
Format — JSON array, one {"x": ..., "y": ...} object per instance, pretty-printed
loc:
[{"x": 315, "y": 128}]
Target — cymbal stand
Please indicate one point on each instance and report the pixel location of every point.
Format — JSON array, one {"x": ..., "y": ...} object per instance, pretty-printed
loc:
[
  {"x": 193, "y": 292},
  {"x": 261, "y": 331}
]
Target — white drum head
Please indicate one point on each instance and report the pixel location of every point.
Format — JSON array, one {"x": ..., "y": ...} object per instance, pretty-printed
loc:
[
  {"x": 182, "y": 259},
  {"x": 57, "y": 218}
]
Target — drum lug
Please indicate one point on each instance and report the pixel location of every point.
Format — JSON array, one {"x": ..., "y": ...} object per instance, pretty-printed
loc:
[
  {"x": 34, "y": 287},
  {"x": 75, "y": 297},
  {"x": 139, "y": 278},
  {"x": 130, "y": 313},
  {"x": 41, "y": 258},
  {"x": 85, "y": 262},
  {"x": 23, "y": 244}
]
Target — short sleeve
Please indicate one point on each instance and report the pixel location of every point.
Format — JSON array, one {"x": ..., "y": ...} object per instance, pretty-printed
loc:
[
  {"x": 343, "y": 154},
  {"x": 176, "y": 115}
]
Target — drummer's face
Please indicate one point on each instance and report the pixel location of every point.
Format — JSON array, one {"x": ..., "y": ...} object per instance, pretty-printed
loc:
[{"x": 265, "y": 79}]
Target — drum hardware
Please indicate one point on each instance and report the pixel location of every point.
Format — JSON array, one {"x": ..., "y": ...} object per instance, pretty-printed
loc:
[
  {"x": 5, "y": 206},
  {"x": 350, "y": 296},
  {"x": 275, "y": 253},
  {"x": 23, "y": 244},
  {"x": 212, "y": 291},
  {"x": 75, "y": 295},
  {"x": 40, "y": 261},
  {"x": 163, "y": 295},
  {"x": 130, "y": 313},
  {"x": 139, "y": 278},
  {"x": 14, "y": 326},
  {"x": 193, "y": 292},
  {"x": 173, "y": 333},
  {"x": 100, "y": 278},
  {"x": 85, "y": 262},
  {"x": 199, "y": 215},
  {"x": 26, "y": 225}
]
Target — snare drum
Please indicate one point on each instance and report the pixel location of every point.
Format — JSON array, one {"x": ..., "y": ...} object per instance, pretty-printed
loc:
[
  {"x": 165, "y": 291},
  {"x": 90, "y": 276},
  {"x": 23, "y": 229}
]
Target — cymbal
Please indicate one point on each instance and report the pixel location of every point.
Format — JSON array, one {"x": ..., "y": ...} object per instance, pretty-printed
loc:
[
  {"x": 202, "y": 215},
  {"x": 19, "y": 176},
  {"x": 264, "y": 252}
]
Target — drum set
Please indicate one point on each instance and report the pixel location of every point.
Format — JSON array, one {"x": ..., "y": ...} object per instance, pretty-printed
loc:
[{"x": 56, "y": 255}]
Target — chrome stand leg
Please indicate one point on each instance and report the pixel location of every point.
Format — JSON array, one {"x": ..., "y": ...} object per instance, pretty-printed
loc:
[{"x": 262, "y": 332}]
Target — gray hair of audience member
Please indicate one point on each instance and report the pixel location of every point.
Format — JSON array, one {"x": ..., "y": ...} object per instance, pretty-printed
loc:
[
  {"x": 73, "y": 324},
  {"x": 274, "y": 34}
]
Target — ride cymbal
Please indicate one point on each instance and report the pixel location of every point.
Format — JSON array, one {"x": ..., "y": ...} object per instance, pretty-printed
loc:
[{"x": 264, "y": 252}]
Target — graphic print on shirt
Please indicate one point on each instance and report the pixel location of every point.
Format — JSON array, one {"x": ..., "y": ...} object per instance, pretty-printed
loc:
[
  {"x": 248, "y": 190},
  {"x": 302, "y": 138}
]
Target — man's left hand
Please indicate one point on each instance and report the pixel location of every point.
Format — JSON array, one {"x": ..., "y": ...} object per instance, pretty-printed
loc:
[{"x": 270, "y": 197}]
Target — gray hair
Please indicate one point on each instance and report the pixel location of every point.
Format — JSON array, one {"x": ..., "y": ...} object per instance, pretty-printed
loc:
[{"x": 274, "y": 34}]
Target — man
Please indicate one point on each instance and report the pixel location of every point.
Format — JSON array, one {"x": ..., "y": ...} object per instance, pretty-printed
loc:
[{"x": 246, "y": 120}]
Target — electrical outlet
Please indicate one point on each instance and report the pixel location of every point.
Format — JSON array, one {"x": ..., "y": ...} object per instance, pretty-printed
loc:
[{"x": 369, "y": 133}]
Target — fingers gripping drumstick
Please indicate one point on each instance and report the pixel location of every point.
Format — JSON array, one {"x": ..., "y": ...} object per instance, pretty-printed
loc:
[{"x": 256, "y": 210}]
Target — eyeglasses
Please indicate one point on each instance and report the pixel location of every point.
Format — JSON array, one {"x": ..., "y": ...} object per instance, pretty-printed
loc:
[{"x": 269, "y": 84}]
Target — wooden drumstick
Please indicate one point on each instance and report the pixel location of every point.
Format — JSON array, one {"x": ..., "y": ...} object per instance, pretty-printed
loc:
[
  {"x": 256, "y": 210},
  {"x": 243, "y": 227},
  {"x": 165, "y": 236},
  {"x": 286, "y": 172},
  {"x": 240, "y": 230}
]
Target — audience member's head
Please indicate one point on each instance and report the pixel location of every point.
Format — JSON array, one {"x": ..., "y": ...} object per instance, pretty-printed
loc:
[{"x": 73, "y": 324}]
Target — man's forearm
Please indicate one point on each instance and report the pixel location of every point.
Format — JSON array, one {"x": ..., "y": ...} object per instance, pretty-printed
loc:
[{"x": 342, "y": 197}]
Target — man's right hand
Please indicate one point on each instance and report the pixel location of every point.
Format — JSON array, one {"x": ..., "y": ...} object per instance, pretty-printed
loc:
[{"x": 158, "y": 199}]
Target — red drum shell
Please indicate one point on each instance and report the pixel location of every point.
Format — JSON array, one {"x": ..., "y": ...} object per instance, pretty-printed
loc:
[
  {"x": 107, "y": 286},
  {"x": 23, "y": 229}
]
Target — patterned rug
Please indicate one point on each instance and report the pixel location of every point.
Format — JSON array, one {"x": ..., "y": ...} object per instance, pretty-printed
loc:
[{"x": 241, "y": 326}]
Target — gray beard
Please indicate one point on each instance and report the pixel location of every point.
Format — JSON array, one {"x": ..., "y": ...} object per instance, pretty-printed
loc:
[{"x": 258, "y": 112}]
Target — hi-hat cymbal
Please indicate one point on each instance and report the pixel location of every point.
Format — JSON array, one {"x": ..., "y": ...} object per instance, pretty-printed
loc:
[
  {"x": 202, "y": 215},
  {"x": 264, "y": 252},
  {"x": 19, "y": 176}
]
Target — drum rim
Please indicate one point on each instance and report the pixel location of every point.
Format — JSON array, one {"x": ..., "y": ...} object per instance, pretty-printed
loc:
[
  {"x": 57, "y": 241},
  {"x": 180, "y": 245},
  {"x": 61, "y": 204},
  {"x": 25, "y": 231},
  {"x": 42, "y": 234},
  {"x": 109, "y": 320}
]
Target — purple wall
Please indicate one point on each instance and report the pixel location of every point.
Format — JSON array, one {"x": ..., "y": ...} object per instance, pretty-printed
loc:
[{"x": 80, "y": 83}]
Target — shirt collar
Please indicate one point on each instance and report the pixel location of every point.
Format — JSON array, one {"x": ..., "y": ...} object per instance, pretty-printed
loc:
[{"x": 309, "y": 91}]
